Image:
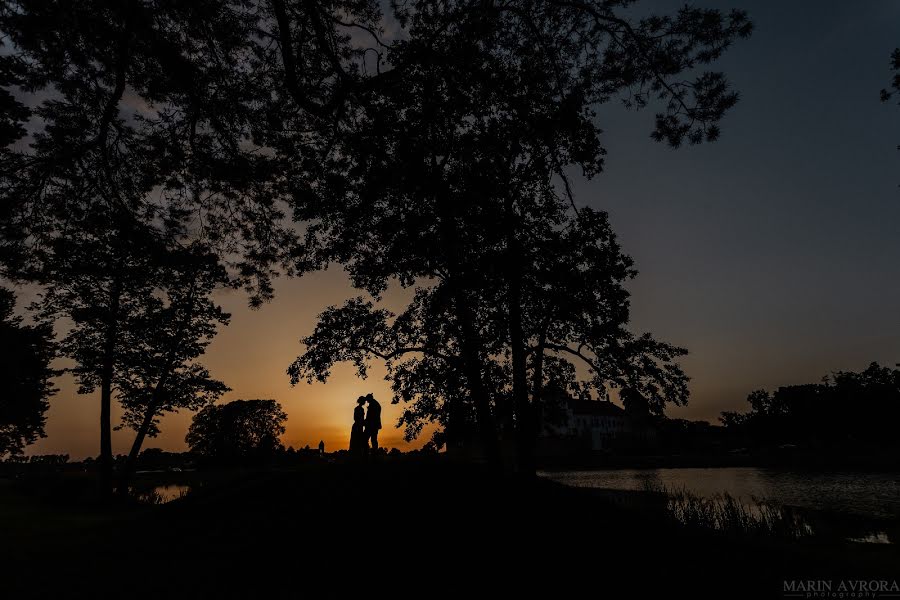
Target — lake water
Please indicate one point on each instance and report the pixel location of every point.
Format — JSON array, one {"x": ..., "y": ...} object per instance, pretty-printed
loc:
[
  {"x": 871, "y": 494},
  {"x": 162, "y": 494}
]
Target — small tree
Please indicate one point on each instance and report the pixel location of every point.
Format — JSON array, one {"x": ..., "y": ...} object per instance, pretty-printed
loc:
[
  {"x": 239, "y": 429},
  {"x": 159, "y": 370},
  {"x": 99, "y": 279},
  {"x": 141, "y": 313},
  {"x": 25, "y": 356}
]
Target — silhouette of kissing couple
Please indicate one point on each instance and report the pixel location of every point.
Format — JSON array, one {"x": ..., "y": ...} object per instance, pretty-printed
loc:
[{"x": 365, "y": 425}]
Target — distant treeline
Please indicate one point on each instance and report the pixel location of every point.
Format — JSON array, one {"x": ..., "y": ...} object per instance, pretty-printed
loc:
[
  {"x": 38, "y": 459},
  {"x": 846, "y": 410},
  {"x": 157, "y": 459}
]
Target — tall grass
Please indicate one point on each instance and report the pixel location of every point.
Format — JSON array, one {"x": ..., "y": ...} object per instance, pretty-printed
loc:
[
  {"x": 732, "y": 516},
  {"x": 154, "y": 497}
]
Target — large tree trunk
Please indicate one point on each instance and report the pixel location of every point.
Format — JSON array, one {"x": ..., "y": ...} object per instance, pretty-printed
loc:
[
  {"x": 470, "y": 344},
  {"x": 472, "y": 367},
  {"x": 524, "y": 431},
  {"x": 152, "y": 410},
  {"x": 130, "y": 463},
  {"x": 110, "y": 111},
  {"x": 454, "y": 432},
  {"x": 106, "y": 384},
  {"x": 537, "y": 385},
  {"x": 537, "y": 388}
]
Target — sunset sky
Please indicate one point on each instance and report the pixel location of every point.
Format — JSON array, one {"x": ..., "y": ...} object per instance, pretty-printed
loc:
[{"x": 772, "y": 255}]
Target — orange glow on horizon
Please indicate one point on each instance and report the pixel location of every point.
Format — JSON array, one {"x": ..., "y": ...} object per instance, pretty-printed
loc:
[{"x": 251, "y": 356}]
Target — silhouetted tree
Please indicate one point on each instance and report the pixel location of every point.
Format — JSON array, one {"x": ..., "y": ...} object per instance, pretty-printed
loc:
[
  {"x": 13, "y": 112},
  {"x": 213, "y": 110},
  {"x": 141, "y": 145},
  {"x": 575, "y": 308},
  {"x": 100, "y": 278},
  {"x": 420, "y": 350},
  {"x": 159, "y": 370},
  {"x": 424, "y": 156},
  {"x": 145, "y": 108},
  {"x": 140, "y": 315},
  {"x": 25, "y": 377},
  {"x": 160, "y": 120},
  {"x": 238, "y": 429},
  {"x": 846, "y": 409},
  {"x": 458, "y": 178}
]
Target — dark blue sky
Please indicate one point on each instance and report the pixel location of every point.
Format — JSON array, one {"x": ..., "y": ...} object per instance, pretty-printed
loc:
[{"x": 773, "y": 254}]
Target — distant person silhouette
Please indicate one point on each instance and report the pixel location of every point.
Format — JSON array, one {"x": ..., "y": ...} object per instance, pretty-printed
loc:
[
  {"x": 373, "y": 421},
  {"x": 357, "y": 433}
]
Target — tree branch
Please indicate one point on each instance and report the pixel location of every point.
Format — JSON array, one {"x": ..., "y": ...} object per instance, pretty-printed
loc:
[
  {"x": 629, "y": 30},
  {"x": 578, "y": 353},
  {"x": 400, "y": 352}
]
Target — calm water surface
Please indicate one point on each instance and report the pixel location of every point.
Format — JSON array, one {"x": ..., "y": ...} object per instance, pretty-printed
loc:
[
  {"x": 866, "y": 494},
  {"x": 162, "y": 494}
]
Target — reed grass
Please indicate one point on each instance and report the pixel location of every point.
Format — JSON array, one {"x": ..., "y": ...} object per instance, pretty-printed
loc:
[
  {"x": 733, "y": 516},
  {"x": 154, "y": 498}
]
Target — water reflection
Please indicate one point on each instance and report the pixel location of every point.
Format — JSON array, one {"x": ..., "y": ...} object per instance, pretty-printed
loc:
[
  {"x": 878, "y": 537},
  {"x": 854, "y": 506},
  {"x": 161, "y": 494}
]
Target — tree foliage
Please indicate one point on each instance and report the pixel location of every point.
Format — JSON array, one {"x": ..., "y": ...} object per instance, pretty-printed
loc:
[
  {"x": 435, "y": 156},
  {"x": 238, "y": 429},
  {"x": 140, "y": 315},
  {"x": 159, "y": 370},
  {"x": 26, "y": 373},
  {"x": 140, "y": 151},
  {"x": 457, "y": 182},
  {"x": 146, "y": 110},
  {"x": 888, "y": 93},
  {"x": 847, "y": 407}
]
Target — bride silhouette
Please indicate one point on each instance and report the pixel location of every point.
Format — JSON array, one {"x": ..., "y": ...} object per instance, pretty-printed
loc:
[{"x": 358, "y": 443}]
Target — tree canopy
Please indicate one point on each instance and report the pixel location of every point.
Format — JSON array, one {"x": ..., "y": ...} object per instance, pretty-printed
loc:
[
  {"x": 238, "y": 429},
  {"x": 846, "y": 408},
  {"x": 138, "y": 153},
  {"x": 26, "y": 376},
  {"x": 429, "y": 144},
  {"x": 888, "y": 93},
  {"x": 457, "y": 183}
]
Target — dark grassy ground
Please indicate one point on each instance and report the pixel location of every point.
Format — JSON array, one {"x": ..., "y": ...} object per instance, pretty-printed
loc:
[{"x": 397, "y": 529}]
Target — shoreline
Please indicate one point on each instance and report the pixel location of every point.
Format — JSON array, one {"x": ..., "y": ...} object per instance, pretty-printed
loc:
[
  {"x": 432, "y": 517},
  {"x": 800, "y": 462}
]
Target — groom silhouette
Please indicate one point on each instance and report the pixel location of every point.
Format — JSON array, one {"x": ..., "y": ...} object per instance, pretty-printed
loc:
[{"x": 373, "y": 420}]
